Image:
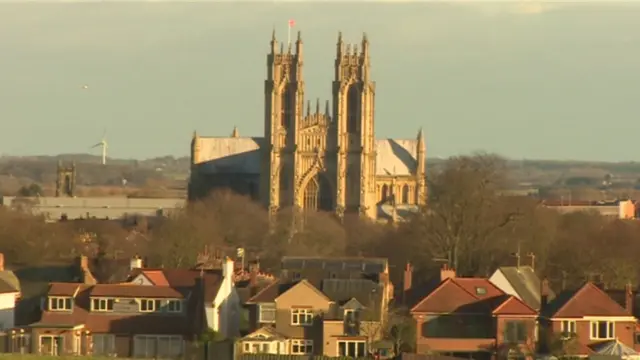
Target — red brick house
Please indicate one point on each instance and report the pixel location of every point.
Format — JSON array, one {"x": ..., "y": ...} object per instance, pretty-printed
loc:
[
  {"x": 472, "y": 318},
  {"x": 118, "y": 319},
  {"x": 582, "y": 322}
]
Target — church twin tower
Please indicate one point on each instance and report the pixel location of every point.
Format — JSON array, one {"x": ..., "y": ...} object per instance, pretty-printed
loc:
[{"x": 321, "y": 158}]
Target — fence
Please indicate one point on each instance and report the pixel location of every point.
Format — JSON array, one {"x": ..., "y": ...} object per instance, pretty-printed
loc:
[{"x": 295, "y": 357}]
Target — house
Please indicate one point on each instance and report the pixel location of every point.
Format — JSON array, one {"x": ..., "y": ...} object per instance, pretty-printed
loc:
[
  {"x": 320, "y": 306},
  {"x": 521, "y": 282},
  {"x": 221, "y": 301},
  {"x": 585, "y": 321},
  {"x": 9, "y": 293},
  {"x": 35, "y": 281},
  {"x": 473, "y": 318},
  {"x": 116, "y": 319}
]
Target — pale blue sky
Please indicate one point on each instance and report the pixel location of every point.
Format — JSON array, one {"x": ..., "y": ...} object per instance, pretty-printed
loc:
[{"x": 532, "y": 80}]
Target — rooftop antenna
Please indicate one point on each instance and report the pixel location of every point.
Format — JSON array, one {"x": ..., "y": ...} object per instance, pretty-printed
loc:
[{"x": 103, "y": 144}]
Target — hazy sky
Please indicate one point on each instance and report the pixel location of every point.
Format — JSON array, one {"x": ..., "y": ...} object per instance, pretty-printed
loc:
[{"x": 532, "y": 80}]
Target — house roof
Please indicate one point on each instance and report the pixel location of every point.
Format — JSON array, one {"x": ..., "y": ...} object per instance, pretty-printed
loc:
[
  {"x": 364, "y": 265},
  {"x": 526, "y": 284},
  {"x": 588, "y": 300},
  {"x": 136, "y": 291},
  {"x": 264, "y": 333},
  {"x": 340, "y": 291},
  {"x": 183, "y": 278},
  {"x": 471, "y": 296},
  {"x": 9, "y": 282}
]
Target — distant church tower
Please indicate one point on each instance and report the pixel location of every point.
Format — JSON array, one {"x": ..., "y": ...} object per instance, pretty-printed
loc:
[
  {"x": 353, "y": 109},
  {"x": 284, "y": 97},
  {"x": 65, "y": 180}
]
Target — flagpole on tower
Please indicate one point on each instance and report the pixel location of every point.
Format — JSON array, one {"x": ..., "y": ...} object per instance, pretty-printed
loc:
[{"x": 292, "y": 23}]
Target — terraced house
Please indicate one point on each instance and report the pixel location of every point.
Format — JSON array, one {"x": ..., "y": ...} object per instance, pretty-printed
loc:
[{"x": 332, "y": 307}]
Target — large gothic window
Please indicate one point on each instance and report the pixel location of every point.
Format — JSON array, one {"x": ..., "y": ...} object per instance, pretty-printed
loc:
[
  {"x": 287, "y": 108},
  {"x": 405, "y": 194},
  {"x": 317, "y": 195},
  {"x": 353, "y": 109}
]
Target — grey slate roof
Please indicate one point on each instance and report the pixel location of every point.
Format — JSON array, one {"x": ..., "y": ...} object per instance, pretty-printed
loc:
[
  {"x": 364, "y": 265},
  {"x": 526, "y": 284},
  {"x": 241, "y": 155}
]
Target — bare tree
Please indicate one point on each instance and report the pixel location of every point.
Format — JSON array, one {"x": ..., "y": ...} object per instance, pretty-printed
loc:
[{"x": 466, "y": 211}]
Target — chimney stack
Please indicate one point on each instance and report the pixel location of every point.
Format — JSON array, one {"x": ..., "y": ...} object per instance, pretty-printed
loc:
[
  {"x": 408, "y": 277},
  {"x": 544, "y": 293},
  {"x": 447, "y": 273},
  {"x": 83, "y": 263},
  {"x": 254, "y": 269},
  {"x": 136, "y": 262},
  {"x": 628, "y": 298}
]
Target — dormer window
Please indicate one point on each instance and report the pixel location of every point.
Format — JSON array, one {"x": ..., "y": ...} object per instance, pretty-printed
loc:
[
  {"x": 351, "y": 315},
  {"x": 149, "y": 305},
  {"x": 102, "y": 304},
  {"x": 174, "y": 306},
  {"x": 57, "y": 303},
  {"x": 481, "y": 290}
]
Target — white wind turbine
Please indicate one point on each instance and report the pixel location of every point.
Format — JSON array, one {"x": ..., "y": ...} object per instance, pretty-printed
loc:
[{"x": 103, "y": 144}]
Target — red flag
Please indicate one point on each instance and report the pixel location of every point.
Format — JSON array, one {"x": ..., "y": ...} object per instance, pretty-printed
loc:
[{"x": 292, "y": 23}]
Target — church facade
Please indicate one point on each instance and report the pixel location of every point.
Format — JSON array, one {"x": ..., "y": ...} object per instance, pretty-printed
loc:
[{"x": 316, "y": 157}]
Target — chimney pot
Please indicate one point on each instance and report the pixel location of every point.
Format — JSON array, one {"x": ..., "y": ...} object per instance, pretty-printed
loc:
[
  {"x": 628, "y": 299},
  {"x": 83, "y": 262},
  {"x": 136, "y": 262},
  {"x": 544, "y": 293}
]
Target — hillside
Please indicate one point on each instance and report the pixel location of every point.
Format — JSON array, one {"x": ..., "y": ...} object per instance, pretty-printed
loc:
[
  {"x": 164, "y": 176},
  {"x": 167, "y": 176}
]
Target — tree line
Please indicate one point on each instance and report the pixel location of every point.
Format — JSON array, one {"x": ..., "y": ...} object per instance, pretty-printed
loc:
[{"x": 468, "y": 224}]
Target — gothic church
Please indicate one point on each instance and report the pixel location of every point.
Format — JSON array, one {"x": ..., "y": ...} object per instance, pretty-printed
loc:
[{"x": 312, "y": 158}]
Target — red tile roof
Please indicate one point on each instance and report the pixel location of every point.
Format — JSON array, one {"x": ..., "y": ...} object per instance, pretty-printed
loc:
[
  {"x": 471, "y": 295},
  {"x": 589, "y": 300},
  {"x": 188, "y": 323},
  {"x": 181, "y": 278},
  {"x": 135, "y": 291}
]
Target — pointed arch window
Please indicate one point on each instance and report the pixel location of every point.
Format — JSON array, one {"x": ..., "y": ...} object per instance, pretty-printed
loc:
[
  {"x": 405, "y": 194},
  {"x": 317, "y": 195},
  {"x": 353, "y": 109},
  {"x": 287, "y": 108}
]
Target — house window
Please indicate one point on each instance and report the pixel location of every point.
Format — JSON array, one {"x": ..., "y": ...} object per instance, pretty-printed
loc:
[
  {"x": 602, "y": 330},
  {"x": 301, "y": 347},
  {"x": 104, "y": 344},
  {"x": 257, "y": 347},
  {"x": 174, "y": 306},
  {"x": 157, "y": 346},
  {"x": 60, "y": 304},
  {"x": 102, "y": 304},
  {"x": 515, "y": 332},
  {"x": 351, "y": 315},
  {"x": 149, "y": 305},
  {"x": 568, "y": 328},
  {"x": 352, "y": 348},
  {"x": 267, "y": 313},
  {"x": 301, "y": 317}
]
